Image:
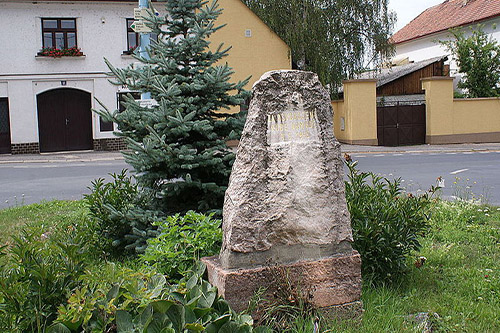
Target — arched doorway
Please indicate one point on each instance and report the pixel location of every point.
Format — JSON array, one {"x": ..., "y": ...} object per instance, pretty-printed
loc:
[{"x": 64, "y": 120}]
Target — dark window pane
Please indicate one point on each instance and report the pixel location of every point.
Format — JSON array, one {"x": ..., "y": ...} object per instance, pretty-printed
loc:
[
  {"x": 49, "y": 24},
  {"x": 68, "y": 24},
  {"x": 71, "y": 39},
  {"x": 47, "y": 39},
  {"x": 59, "y": 40},
  {"x": 132, "y": 40},
  {"x": 105, "y": 126},
  {"x": 129, "y": 23}
]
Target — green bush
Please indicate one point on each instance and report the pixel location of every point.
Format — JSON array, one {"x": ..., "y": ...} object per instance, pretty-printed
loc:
[
  {"x": 123, "y": 222},
  {"x": 37, "y": 271},
  {"x": 147, "y": 303},
  {"x": 386, "y": 222},
  {"x": 182, "y": 240}
]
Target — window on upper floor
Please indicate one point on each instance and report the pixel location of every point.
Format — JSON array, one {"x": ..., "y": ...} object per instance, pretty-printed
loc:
[
  {"x": 59, "y": 33},
  {"x": 132, "y": 37}
]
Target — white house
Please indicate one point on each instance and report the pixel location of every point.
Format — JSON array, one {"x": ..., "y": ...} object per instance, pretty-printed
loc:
[
  {"x": 417, "y": 40},
  {"x": 45, "y": 102}
]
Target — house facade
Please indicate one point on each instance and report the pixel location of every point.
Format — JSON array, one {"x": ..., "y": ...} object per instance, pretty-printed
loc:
[
  {"x": 46, "y": 102},
  {"x": 417, "y": 40}
]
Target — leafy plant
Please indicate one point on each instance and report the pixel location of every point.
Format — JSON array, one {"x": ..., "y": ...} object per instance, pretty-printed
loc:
[
  {"x": 149, "y": 304},
  {"x": 182, "y": 240},
  {"x": 36, "y": 273},
  {"x": 386, "y": 222},
  {"x": 478, "y": 58},
  {"x": 117, "y": 206}
]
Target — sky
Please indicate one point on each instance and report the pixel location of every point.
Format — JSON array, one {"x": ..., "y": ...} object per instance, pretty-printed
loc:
[{"x": 407, "y": 10}]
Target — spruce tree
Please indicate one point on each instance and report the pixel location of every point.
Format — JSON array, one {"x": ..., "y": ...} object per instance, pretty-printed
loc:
[{"x": 178, "y": 148}]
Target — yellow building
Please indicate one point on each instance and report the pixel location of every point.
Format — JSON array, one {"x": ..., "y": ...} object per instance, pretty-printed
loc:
[{"x": 256, "y": 49}]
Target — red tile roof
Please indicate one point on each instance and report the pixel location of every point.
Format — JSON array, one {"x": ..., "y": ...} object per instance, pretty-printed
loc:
[{"x": 449, "y": 14}]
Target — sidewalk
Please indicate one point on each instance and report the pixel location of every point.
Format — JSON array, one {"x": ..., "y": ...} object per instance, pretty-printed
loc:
[
  {"x": 62, "y": 157},
  {"x": 452, "y": 148},
  {"x": 91, "y": 156}
]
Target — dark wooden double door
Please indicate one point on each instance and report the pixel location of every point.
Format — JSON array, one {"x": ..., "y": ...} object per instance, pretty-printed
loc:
[
  {"x": 401, "y": 125},
  {"x": 64, "y": 120},
  {"x": 4, "y": 126}
]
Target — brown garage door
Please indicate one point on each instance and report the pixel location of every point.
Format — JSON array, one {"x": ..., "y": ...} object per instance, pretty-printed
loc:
[
  {"x": 4, "y": 126},
  {"x": 400, "y": 125},
  {"x": 64, "y": 120}
]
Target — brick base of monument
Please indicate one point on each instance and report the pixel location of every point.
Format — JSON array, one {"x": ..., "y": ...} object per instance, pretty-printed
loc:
[{"x": 332, "y": 285}]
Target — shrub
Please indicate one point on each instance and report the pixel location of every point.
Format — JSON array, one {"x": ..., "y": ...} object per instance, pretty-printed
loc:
[
  {"x": 118, "y": 207},
  {"x": 37, "y": 272},
  {"x": 182, "y": 240},
  {"x": 386, "y": 222},
  {"x": 143, "y": 303}
]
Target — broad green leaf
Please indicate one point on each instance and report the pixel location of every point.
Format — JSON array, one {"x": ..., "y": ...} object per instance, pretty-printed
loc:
[
  {"x": 229, "y": 327},
  {"x": 201, "y": 312},
  {"x": 177, "y": 315},
  {"x": 162, "y": 306},
  {"x": 193, "y": 280},
  {"x": 124, "y": 322},
  {"x": 219, "y": 322},
  {"x": 58, "y": 328},
  {"x": 156, "y": 285},
  {"x": 190, "y": 316},
  {"x": 113, "y": 292},
  {"x": 195, "y": 327},
  {"x": 159, "y": 323},
  {"x": 246, "y": 319},
  {"x": 146, "y": 315}
]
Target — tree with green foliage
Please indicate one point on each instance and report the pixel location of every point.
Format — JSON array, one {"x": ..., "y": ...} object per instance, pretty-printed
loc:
[
  {"x": 333, "y": 38},
  {"x": 178, "y": 146},
  {"x": 478, "y": 58}
]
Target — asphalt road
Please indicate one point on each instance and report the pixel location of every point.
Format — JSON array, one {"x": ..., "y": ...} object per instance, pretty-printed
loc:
[
  {"x": 465, "y": 173},
  {"x": 25, "y": 183}
]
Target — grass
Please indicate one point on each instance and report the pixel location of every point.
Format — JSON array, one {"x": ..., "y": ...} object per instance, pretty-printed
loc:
[
  {"x": 42, "y": 215},
  {"x": 460, "y": 280}
]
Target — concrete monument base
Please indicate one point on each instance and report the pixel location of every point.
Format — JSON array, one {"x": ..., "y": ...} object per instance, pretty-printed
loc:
[{"x": 332, "y": 285}]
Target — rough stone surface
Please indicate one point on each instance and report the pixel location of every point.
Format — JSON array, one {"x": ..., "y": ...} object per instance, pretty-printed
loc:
[
  {"x": 332, "y": 284},
  {"x": 285, "y": 201}
]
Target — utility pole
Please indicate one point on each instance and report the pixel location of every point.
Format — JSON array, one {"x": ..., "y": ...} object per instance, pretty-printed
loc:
[{"x": 144, "y": 41}]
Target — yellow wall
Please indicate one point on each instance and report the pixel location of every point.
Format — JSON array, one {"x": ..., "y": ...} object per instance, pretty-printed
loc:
[
  {"x": 359, "y": 110},
  {"x": 338, "y": 114},
  {"x": 459, "y": 120},
  {"x": 249, "y": 56},
  {"x": 478, "y": 115}
]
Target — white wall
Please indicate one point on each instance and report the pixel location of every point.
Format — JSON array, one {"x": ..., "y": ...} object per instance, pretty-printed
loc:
[
  {"x": 427, "y": 47},
  {"x": 21, "y": 36},
  {"x": 101, "y": 32}
]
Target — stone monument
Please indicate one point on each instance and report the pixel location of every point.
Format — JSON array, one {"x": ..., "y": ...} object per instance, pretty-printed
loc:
[{"x": 285, "y": 206}]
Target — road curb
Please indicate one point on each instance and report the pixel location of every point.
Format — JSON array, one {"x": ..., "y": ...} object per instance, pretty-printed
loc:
[
  {"x": 420, "y": 151},
  {"x": 62, "y": 161}
]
